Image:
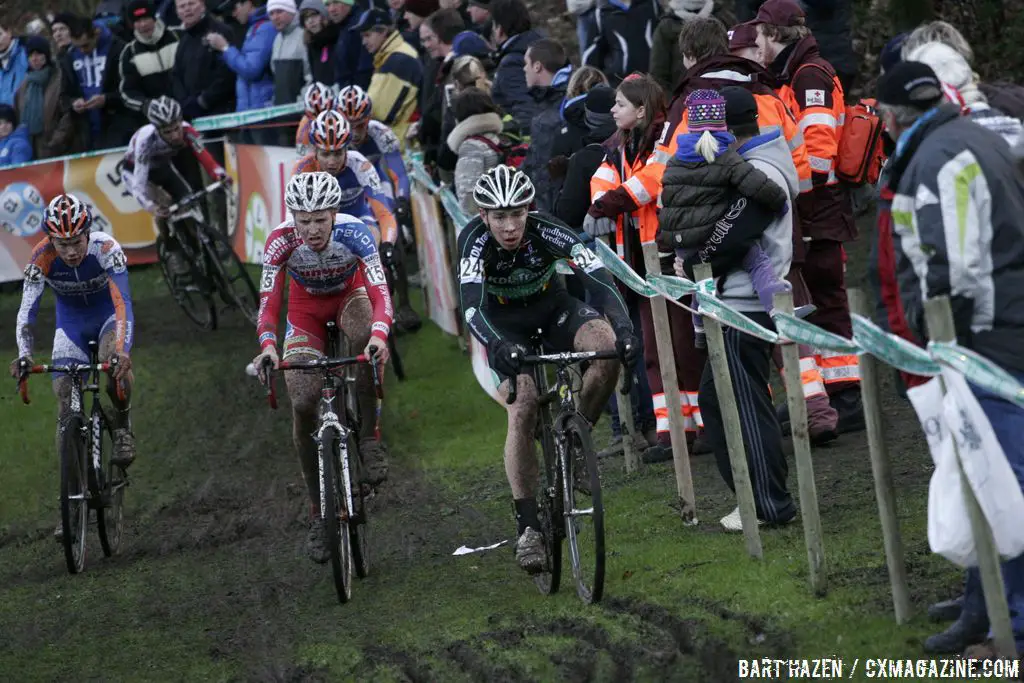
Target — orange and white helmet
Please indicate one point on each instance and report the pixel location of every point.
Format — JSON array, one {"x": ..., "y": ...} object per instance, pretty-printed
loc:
[
  {"x": 66, "y": 216},
  {"x": 330, "y": 131},
  {"x": 354, "y": 103},
  {"x": 318, "y": 98}
]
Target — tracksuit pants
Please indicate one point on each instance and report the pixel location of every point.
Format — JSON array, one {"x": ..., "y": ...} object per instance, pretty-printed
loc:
[
  {"x": 750, "y": 364},
  {"x": 824, "y": 271}
]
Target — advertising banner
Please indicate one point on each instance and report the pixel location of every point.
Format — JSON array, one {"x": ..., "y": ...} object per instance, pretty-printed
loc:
[
  {"x": 435, "y": 269},
  {"x": 261, "y": 175}
]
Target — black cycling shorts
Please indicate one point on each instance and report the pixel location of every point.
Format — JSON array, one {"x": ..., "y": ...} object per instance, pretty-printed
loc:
[{"x": 558, "y": 316}]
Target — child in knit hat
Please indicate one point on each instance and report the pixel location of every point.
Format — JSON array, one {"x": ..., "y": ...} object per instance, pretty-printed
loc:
[{"x": 702, "y": 182}]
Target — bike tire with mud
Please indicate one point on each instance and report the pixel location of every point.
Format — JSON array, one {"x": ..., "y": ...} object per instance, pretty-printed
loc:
[
  {"x": 549, "y": 505},
  {"x": 236, "y": 290},
  {"x": 109, "y": 494},
  {"x": 586, "y": 551},
  {"x": 359, "y": 531},
  {"x": 335, "y": 517},
  {"x": 194, "y": 301},
  {"x": 74, "y": 507}
]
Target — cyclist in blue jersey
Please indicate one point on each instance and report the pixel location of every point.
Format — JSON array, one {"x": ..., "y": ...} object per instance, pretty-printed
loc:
[
  {"x": 376, "y": 141},
  {"x": 88, "y": 273},
  {"x": 363, "y": 194}
]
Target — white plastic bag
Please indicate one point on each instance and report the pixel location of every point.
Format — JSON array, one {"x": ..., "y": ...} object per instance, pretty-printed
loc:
[
  {"x": 991, "y": 478},
  {"x": 949, "y": 526}
]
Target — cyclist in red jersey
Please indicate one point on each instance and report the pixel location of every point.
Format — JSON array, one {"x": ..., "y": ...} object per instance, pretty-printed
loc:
[{"x": 336, "y": 274}]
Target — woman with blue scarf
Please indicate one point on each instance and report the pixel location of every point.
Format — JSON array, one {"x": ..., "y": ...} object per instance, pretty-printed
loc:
[
  {"x": 701, "y": 182},
  {"x": 50, "y": 128}
]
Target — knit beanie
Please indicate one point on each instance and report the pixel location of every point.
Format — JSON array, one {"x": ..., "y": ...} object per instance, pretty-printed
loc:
[
  {"x": 66, "y": 18},
  {"x": 421, "y": 8},
  {"x": 597, "y": 108},
  {"x": 141, "y": 9},
  {"x": 283, "y": 5},
  {"x": 705, "y": 111},
  {"x": 691, "y": 9},
  {"x": 317, "y": 6},
  {"x": 891, "y": 54},
  {"x": 7, "y": 113},
  {"x": 470, "y": 43},
  {"x": 37, "y": 44}
]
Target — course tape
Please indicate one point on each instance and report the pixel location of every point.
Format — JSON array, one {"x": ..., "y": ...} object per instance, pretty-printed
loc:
[
  {"x": 203, "y": 124},
  {"x": 867, "y": 337}
]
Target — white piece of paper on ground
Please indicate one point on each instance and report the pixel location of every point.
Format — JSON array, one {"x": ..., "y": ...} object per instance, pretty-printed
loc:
[{"x": 463, "y": 550}]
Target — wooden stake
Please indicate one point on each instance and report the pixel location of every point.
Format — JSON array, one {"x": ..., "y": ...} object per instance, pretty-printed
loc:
[
  {"x": 802, "y": 454},
  {"x": 885, "y": 494},
  {"x": 939, "y": 316},
  {"x": 731, "y": 422},
  {"x": 626, "y": 426},
  {"x": 670, "y": 383}
]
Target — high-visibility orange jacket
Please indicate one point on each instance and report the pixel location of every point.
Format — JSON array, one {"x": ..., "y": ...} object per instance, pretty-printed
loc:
[{"x": 813, "y": 93}]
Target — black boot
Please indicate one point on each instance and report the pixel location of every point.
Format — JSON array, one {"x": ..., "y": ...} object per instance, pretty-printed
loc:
[
  {"x": 969, "y": 629},
  {"x": 947, "y": 610},
  {"x": 851, "y": 410}
]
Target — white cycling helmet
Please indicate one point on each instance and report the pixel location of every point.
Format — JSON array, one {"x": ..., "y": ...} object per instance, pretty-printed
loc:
[
  {"x": 318, "y": 98},
  {"x": 503, "y": 187},
  {"x": 312, "y": 192},
  {"x": 163, "y": 111}
]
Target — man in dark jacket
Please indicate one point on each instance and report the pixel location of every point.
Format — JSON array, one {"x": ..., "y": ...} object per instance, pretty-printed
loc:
[
  {"x": 956, "y": 210},
  {"x": 90, "y": 86},
  {"x": 547, "y": 77},
  {"x": 354, "y": 62},
  {"x": 203, "y": 83},
  {"x": 513, "y": 34},
  {"x": 147, "y": 62},
  {"x": 829, "y": 21},
  {"x": 437, "y": 34},
  {"x": 622, "y": 45}
]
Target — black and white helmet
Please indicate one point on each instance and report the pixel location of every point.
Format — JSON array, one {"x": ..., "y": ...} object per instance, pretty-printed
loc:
[
  {"x": 503, "y": 187},
  {"x": 312, "y": 192},
  {"x": 163, "y": 111}
]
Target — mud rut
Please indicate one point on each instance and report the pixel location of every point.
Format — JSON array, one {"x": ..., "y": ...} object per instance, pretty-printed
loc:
[{"x": 244, "y": 494}]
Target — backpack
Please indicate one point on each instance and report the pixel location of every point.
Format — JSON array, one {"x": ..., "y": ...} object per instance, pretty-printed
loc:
[
  {"x": 860, "y": 157},
  {"x": 510, "y": 152}
]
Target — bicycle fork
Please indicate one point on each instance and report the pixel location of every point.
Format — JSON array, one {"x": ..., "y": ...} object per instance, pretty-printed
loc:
[{"x": 329, "y": 421}]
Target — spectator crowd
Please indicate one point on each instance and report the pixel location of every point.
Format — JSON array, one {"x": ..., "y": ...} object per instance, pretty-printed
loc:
[{"x": 722, "y": 134}]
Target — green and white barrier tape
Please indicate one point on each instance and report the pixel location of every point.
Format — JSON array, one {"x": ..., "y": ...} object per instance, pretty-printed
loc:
[
  {"x": 867, "y": 337},
  {"x": 202, "y": 124}
]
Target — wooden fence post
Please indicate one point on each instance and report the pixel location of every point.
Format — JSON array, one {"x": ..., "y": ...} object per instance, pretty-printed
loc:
[
  {"x": 731, "y": 422},
  {"x": 885, "y": 494},
  {"x": 670, "y": 383},
  {"x": 939, "y": 317},
  {"x": 627, "y": 427},
  {"x": 802, "y": 454}
]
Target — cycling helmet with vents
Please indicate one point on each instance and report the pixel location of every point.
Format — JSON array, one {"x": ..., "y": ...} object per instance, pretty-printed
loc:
[
  {"x": 312, "y": 192},
  {"x": 330, "y": 131},
  {"x": 163, "y": 111},
  {"x": 503, "y": 187},
  {"x": 318, "y": 98},
  {"x": 354, "y": 103},
  {"x": 66, "y": 216}
]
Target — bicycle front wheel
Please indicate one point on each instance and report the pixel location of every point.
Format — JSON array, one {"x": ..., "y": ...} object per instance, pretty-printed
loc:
[
  {"x": 357, "y": 523},
  {"x": 74, "y": 508},
  {"x": 583, "y": 513},
  {"x": 335, "y": 515},
  {"x": 187, "y": 289},
  {"x": 549, "y": 505},
  {"x": 230, "y": 275}
]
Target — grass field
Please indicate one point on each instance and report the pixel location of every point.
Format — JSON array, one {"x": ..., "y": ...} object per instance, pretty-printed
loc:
[{"x": 212, "y": 583}]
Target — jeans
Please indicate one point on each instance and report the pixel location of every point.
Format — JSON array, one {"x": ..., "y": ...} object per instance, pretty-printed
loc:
[{"x": 1008, "y": 424}]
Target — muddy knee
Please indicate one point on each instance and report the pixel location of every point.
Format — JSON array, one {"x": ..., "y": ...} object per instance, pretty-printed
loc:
[
  {"x": 355, "y": 319},
  {"x": 62, "y": 390},
  {"x": 522, "y": 414}
]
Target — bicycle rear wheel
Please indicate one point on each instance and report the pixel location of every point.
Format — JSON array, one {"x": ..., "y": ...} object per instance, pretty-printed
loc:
[
  {"x": 230, "y": 275},
  {"x": 549, "y": 506},
  {"x": 110, "y": 481},
  {"x": 358, "y": 529},
  {"x": 188, "y": 290},
  {"x": 74, "y": 508},
  {"x": 583, "y": 512},
  {"x": 335, "y": 516}
]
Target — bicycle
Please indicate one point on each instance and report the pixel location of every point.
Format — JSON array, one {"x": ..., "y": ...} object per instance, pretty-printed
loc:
[
  {"x": 391, "y": 275},
  {"x": 568, "y": 456},
  {"x": 214, "y": 268},
  {"x": 88, "y": 478},
  {"x": 343, "y": 494}
]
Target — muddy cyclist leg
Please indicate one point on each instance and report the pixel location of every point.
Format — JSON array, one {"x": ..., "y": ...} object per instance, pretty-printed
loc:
[
  {"x": 521, "y": 465},
  {"x": 304, "y": 392},
  {"x": 124, "y": 438},
  {"x": 354, "y": 320},
  {"x": 599, "y": 379}
]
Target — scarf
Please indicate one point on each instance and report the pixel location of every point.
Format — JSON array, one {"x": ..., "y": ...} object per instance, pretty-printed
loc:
[
  {"x": 35, "y": 94},
  {"x": 691, "y": 9},
  {"x": 687, "y": 142}
]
